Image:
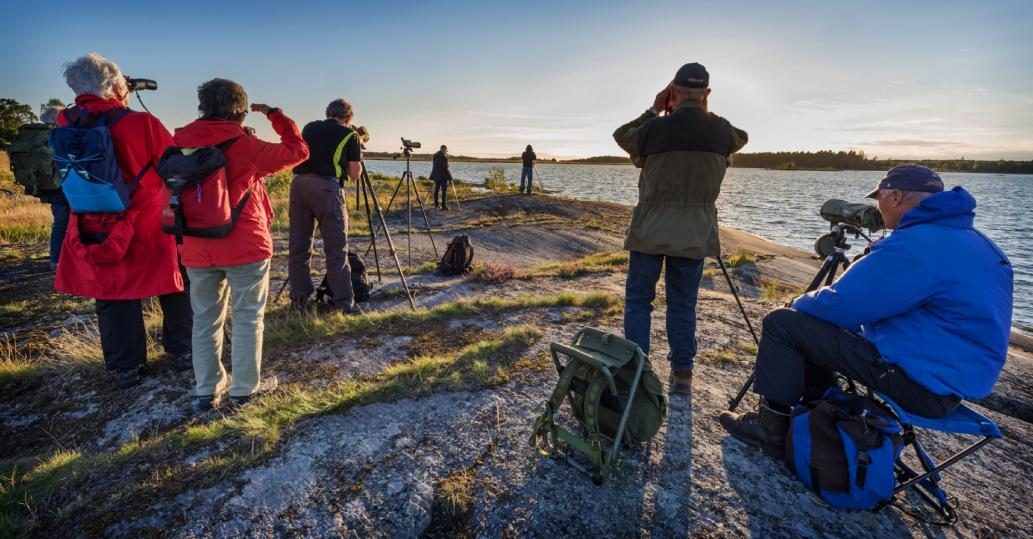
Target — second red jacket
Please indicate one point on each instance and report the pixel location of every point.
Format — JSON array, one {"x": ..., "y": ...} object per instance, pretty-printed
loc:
[{"x": 247, "y": 161}]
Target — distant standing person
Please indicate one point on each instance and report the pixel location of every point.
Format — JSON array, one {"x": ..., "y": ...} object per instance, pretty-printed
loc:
[
  {"x": 683, "y": 157},
  {"x": 317, "y": 198},
  {"x": 527, "y": 172},
  {"x": 56, "y": 198},
  {"x": 441, "y": 175}
]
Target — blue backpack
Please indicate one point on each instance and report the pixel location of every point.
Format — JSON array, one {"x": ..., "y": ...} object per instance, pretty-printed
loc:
[
  {"x": 83, "y": 151},
  {"x": 844, "y": 447}
]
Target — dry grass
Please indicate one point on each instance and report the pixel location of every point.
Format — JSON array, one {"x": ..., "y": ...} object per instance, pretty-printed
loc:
[
  {"x": 492, "y": 272},
  {"x": 776, "y": 292},
  {"x": 24, "y": 219},
  {"x": 594, "y": 263},
  {"x": 740, "y": 258}
]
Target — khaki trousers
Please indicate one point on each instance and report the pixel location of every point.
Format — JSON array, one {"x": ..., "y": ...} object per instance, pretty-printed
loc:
[{"x": 247, "y": 285}]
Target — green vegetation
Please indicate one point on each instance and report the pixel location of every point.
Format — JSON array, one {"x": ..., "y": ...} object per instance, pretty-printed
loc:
[
  {"x": 857, "y": 160},
  {"x": 12, "y": 116},
  {"x": 23, "y": 219},
  {"x": 775, "y": 291},
  {"x": 594, "y": 263},
  {"x": 741, "y": 257},
  {"x": 496, "y": 181}
]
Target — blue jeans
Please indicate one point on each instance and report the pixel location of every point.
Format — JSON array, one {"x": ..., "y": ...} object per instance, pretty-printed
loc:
[
  {"x": 59, "y": 208},
  {"x": 682, "y": 278},
  {"x": 528, "y": 173}
]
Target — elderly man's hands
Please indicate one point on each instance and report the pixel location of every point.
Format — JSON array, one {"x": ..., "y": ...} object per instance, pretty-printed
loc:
[{"x": 662, "y": 99}]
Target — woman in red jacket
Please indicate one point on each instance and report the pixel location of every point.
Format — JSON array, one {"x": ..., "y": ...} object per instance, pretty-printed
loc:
[
  {"x": 235, "y": 267},
  {"x": 133, "y": 259}
]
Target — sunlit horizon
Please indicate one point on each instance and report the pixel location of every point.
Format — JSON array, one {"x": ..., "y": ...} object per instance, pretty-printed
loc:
[{"x": 936, "y": 80}]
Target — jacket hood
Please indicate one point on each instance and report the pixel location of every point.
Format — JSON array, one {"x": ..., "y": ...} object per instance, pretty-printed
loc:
[
  {"x": 92, "y": 102},
  {"x": 206, "y": 133},
  {"x": 949, "y": 208}
]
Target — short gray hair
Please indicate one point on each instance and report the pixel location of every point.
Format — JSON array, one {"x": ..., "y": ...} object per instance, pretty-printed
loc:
[
  {"x": 339, "y": 108},
  {"x": 94, "y": 74},
  {"x": 694, "y": 94},
  {"x": 916, "y": 196},
  {"x": 49, "y": 116}
]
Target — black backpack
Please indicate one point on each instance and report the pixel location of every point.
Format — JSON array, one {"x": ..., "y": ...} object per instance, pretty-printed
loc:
[
  {"x": 360, "y": 282},
  {"x": 458, "y": 256}
]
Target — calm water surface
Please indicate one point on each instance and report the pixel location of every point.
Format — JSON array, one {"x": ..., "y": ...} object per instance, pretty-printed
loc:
[{"x": 782, "y": 206}]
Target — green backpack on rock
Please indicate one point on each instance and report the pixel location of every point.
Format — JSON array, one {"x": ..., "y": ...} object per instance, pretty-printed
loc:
[
  {"x": 614, "y": 395},
  {"x": 32, "y": 161}
]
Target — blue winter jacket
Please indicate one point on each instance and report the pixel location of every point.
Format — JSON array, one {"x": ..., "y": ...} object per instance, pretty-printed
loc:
[{"x": 935, "y": 297}]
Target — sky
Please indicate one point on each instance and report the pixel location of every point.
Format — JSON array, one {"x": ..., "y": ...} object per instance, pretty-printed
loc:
[{"x": 911, "y": 79}]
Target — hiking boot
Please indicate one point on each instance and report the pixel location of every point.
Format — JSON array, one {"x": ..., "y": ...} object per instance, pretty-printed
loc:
[
  {"x": 681, "y": 381},
  {"x": 764, "y": 428},
  {"x": 300, "y": 306},
  {"x": 351, "y": 309},
  {"x": 183, "y": 362},
  {"x": 204, "y": 403},
  {"x": 267, "y": 384},
  {"x": 128, "y": 379}
]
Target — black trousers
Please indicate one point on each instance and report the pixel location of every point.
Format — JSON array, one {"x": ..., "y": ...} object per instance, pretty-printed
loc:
[
  {"x": 123, "y": 337},
  {"x": 442, "y": 186},
  {"x": 799, "y": 356}
]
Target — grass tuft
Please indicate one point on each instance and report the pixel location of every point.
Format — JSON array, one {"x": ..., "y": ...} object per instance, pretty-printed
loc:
[
  {"x": 492, "y": 272},
  {"x": 740, "y": 258}
]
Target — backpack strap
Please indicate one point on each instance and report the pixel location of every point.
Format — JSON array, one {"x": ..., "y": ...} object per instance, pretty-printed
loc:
[{"x": 225, "y": 145}]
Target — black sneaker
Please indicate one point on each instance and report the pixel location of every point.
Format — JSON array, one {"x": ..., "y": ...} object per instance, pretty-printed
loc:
[
  {"x": 206, "y": 403},
  {"x": 267, "y": 384},
  {"x": 128, "y": 379},
  {"x": 183, "y": 362},
  {"x": 351, "y": 309}
]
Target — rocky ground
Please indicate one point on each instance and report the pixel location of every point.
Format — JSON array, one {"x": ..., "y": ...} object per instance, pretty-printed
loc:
[{"x": 445, "y": 456}]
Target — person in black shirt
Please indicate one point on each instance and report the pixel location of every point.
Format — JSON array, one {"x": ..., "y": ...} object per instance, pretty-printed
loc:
[
  {"x": 441, "y": 175},
  {"x": 527, "y": 172},
  {"x": 317, "y": 197}
]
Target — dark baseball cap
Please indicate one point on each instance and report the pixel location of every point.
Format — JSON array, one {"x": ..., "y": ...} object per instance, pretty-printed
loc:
[
  {"x": 692, "y": 76},
  {"x": 909, "y": 178}
]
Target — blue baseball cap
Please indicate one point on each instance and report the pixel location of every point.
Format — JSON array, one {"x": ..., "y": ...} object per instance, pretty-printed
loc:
[
  {"x": 692, "y": 76},
  {"x": 909, "y": 178}
]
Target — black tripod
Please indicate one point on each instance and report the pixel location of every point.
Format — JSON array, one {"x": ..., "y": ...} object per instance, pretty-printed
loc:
[
  {"x": 834, "y": 246},
  {"x": 410, "y": 189},
  {"x": 364, "y": 192}
]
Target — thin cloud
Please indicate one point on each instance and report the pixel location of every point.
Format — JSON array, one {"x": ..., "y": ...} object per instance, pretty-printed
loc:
[{"x": 911, "y": 142}]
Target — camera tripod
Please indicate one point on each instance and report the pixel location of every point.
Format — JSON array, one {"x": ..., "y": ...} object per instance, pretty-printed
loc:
[
  {"x": 834, "y": 246},
  {"x": 364, "y": 192},
  {"x": 410, "y": 188}
]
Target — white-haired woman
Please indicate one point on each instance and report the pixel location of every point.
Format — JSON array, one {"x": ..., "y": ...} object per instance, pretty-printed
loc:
[{"x": 121, "y": 258}]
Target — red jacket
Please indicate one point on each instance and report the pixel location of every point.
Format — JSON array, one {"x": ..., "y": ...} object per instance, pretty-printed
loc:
[
  {"x": 247, "y": 161},
  {"x": 137, "y": 260}
]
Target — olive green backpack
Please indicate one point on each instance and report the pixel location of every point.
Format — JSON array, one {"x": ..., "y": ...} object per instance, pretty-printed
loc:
[
  {"x": 32, "y": 161},
  {"x": 614, "y": 395}
]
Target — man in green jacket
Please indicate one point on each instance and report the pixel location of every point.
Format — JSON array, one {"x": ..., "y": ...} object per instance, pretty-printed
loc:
[{"x": 683, "y": 156}]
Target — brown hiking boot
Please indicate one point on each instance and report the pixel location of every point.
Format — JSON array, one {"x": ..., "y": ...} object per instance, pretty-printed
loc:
[
  {"x": 681, "y": 381},
  {"x": 764, "y": 428}
]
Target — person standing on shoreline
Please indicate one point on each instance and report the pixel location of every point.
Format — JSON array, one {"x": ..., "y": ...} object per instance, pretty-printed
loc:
[
  {"x": 440, "y": 174},
  {"x": 683, "y": 156},
  {"x": 527, "y": 172}
]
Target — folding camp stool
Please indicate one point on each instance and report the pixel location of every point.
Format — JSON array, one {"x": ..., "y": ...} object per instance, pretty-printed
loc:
[
  {"x": 962, "y": 420},
  {"x": 606, "y": 353}
]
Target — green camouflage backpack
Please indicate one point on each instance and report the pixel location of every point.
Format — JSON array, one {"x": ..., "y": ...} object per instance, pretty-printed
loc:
[
  {"x": 32, "y": 161},
  {"x": 614, "y": 395}
]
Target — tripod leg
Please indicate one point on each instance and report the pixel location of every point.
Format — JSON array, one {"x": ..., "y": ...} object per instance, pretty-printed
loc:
[
  {"x": 391, "y": 246},
  {"x": 749, "y": 381},
  {"x": 364, "y": 181},
  {"x": 408, "y": 208},
  {"x": 455, "y": 194},
  {"x": 393, "y": 195},
  {"x": 426, "y": 221}
]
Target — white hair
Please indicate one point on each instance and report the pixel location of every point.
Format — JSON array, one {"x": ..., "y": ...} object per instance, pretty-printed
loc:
[
  {"x": 49, "y": 116},
  {"x": 692, "y": 94},
  {"x": 94, "y": 74},
  {"x": 916, "y": 196}
]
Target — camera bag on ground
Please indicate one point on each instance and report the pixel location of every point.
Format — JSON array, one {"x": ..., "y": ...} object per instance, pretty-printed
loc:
[
  {"x": 613, "y": 394},
  {"x": 90, "y": 175},
  {"x": 32, "y": 161},
  {"x": 197, "y": 192},
  {"x": 458, "y": 256},
  {"x": 360, "y": 283},
  {"x": 843, "y": 447}
]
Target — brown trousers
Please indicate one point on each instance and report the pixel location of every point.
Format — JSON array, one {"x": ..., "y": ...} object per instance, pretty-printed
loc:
[{"x": 319, "y": 200}]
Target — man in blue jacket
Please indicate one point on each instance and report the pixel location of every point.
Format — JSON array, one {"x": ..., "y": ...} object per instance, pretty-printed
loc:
[{"x": 924, "y": 318}]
